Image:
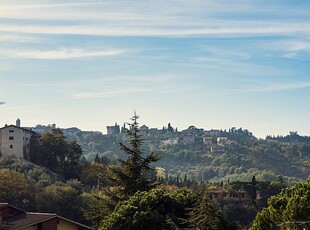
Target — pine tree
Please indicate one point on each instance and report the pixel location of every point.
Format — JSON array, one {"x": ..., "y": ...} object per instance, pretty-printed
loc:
[
  {"x": 133, "y": 173},
  {"x": 204, "y": 215}
]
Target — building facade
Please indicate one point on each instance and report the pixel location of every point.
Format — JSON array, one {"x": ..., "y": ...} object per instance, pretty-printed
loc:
[
  {"x": 17, "y": 219},
  {"x": 113, "y": 130},
  {"x": 15, "y": 141}
]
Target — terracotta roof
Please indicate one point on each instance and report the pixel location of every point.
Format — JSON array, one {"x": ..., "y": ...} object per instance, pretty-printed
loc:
[
  {"x": 27, "y": 219},
  {"x": 32, "y": 218}
]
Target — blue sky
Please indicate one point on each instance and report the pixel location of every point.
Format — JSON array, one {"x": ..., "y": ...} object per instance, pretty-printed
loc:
[{"x": 212, "y": 64}]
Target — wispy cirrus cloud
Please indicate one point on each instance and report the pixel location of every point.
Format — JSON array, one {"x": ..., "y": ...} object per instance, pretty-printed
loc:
[
  {"x": 290, "y": 48},
  {"x": 108, "y": 93},
  {"x": 59, "y": 54},
  {"x": 272, "y": 87},
  {"x": 18, "y": 38},
  {"x": 168, "y": 18},
  {"x": 224, "y": 30}
]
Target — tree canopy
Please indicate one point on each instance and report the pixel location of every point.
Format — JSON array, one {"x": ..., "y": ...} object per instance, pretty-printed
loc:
[
  {"x": 133, "y": 173},
  {"x": 288, "y": 210},
  {"x": 154, "y": 209},
  {"x": 53, "y": 151}
]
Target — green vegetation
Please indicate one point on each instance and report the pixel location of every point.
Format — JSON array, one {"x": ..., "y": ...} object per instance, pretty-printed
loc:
[
  {"x": 155, "y": 209},
  {"x": 240, "y": 159},
  {"x": 132, "y": 174},
  {"x": 195, "y": 185},
  {"x": 288, "y": 210},
  {"x": 53, "y": 151}
]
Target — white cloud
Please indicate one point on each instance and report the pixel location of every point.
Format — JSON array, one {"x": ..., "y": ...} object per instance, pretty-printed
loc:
[
  {"x": 18, "y": 38},
  {"x": 271, "y": 87},
  {"x": 159, "y": 18},
  {"x": 108, "y": 93},
  {"x": 59, "y": 54},
  {"x": 251, "y": 29}
]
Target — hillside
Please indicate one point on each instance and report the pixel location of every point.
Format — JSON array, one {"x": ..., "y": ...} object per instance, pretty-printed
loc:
[{"x": 213, "y": 155}]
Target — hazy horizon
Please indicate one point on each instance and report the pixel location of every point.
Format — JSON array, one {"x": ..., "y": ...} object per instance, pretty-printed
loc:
[{"x": 212, "y": 64}]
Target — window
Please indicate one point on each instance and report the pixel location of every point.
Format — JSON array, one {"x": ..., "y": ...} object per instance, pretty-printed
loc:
[
  {"x": 11, "y": 131},
  {"x": 11, "y": 138},
  {"x": 11, "y": 146}
]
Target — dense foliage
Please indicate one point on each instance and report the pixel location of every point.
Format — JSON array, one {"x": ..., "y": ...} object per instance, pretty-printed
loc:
[
  {"x": 117, "y": 190},
  {"x": 288, "y": 210},
  {"x": 240, "y": 159},
  {"x": 53, "y": 151},
  {"x": 155, "y": 209}
]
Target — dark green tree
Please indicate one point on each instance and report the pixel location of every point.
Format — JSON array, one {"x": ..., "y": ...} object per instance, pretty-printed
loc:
[
  {"x": 62, "y": 199},
  {"x": 288, "y": 210},
  {"x": 53, "y": 151},
  {"x": 170, "y": 129},
  {"x": 204, "y": 215},
  {"x": 16, "y": 189},
  {"x": 152, "y": 210},
  {"x": 133, "y": 173}
]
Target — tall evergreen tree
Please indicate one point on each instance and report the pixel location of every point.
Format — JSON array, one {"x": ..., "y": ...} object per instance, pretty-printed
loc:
[
  {"x": 170, "y": 129},
  {"x": 133, "y": 173},
  {"x": 204, "y": 215}
]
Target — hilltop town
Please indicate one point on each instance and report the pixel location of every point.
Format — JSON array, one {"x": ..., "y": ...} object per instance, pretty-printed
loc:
[
  {"x": 198, "y": 154},
  {"x": 236, "y": 169}
]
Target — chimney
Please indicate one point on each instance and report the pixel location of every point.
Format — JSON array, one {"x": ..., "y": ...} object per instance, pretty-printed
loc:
[{"x": 18, "y": 122}]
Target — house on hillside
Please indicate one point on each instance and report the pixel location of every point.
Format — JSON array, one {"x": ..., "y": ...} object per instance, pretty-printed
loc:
[
  {"x": 17, "y": 219},
  {"x": 208, "y": 140},
  {"x": 15, "y": 141},
  {"x": 222, "y": 141},
  {"x": 234, "y": 196},
  {"x": 113, "y": 130},
  {"x": 171, "y": 141},
  {"x": 188, "y": 139}
]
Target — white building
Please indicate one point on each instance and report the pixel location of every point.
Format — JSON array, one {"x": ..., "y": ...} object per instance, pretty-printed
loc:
[
  {"x": 15, "y": 141},
  {"x": 222, "y": 141},
  {"x": 171, "y": 141}
]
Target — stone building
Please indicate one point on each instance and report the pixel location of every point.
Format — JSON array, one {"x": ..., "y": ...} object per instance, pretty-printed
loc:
[{"x": 15, "y": 141}]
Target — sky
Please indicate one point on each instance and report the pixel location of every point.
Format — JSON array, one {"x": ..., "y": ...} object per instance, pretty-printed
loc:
[{"x": 214, "y": 64}]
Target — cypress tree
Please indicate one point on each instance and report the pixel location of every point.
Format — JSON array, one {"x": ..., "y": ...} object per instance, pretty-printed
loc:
[{"x": 133, "y": 173}]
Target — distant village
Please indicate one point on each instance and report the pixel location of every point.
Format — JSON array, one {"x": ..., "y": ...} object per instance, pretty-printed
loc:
[{"x": 15, "y": 139}]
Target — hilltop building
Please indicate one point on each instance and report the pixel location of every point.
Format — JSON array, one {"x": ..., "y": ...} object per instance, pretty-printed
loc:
[
  {"x": 171, "y": 141},
  {"x": 113, "y": 130},
  {"x": 222, "y": 141},
  {"x": 15, "y": 140},
  {"x": 43, "y": 128},
  {"x": 208, "y": 140}
]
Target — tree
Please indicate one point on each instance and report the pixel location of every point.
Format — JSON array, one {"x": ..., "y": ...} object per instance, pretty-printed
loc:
[
  {"x": 16, "y": 189},
  {"x": 133, "y": 173},
  {"x": 204, "y": 215},
  {"x": 93, "y": 174},
  {"x": 170, "y": 129},
  {"x": 53, "y": 151},
  {"x": 288, "y": 210},
  {"x": 155, "y": 209},
  {"x": 62, "y": 199}
]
